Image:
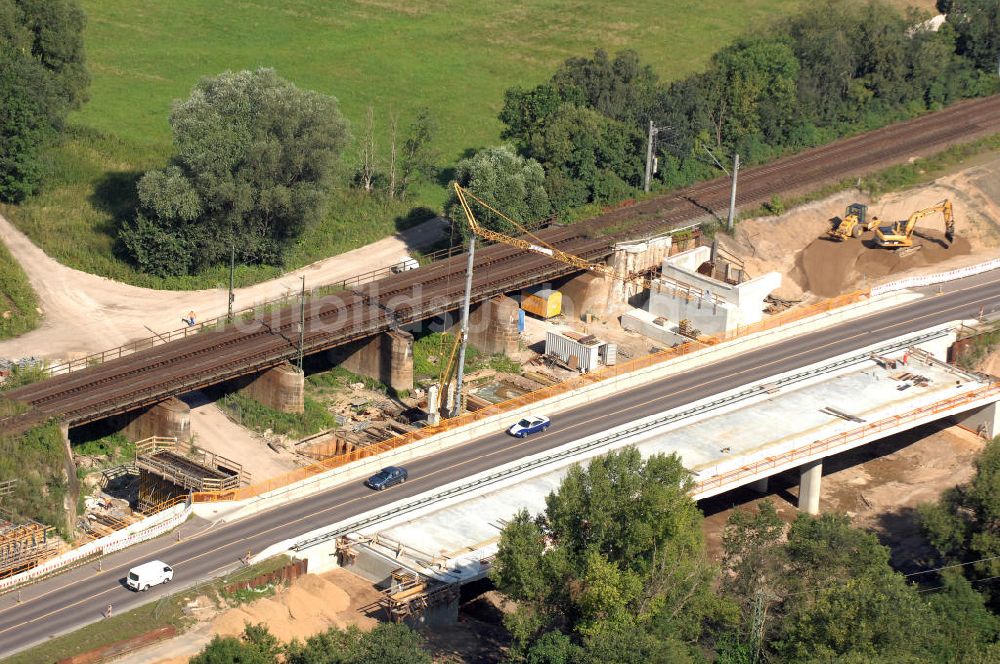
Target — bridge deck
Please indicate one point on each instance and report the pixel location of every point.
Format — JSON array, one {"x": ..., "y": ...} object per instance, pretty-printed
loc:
[{"x": 751, "y": 425}]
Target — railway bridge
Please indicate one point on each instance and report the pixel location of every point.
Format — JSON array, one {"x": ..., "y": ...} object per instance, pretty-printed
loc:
[{"x": 148, "y": 377}]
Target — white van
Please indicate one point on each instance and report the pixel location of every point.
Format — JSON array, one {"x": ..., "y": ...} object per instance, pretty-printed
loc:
[
  {"x": 149, "y": 574},
  {"x": 405, "y": 264}
]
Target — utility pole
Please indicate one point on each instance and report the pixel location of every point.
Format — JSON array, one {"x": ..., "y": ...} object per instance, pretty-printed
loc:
[
  {"x": 232, "y": 269},
  {"x": 732, "y": 195},
  {"x": 457, "y": 407},
  {"x": 653, "y": 131},
  {"x": 302, "y": 321}
]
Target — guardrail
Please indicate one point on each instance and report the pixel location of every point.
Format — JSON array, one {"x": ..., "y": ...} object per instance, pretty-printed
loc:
[
  {"x": 528, "y": 398},
  {"x": 246, "y": 313},
  {"x": 941, "y": 277},
  {"x": 137, "y": 532},
  {"x": 743, "y": 474}
]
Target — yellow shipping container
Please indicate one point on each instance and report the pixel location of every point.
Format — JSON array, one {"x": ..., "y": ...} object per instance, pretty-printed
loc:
[{"x": 544, "y": 302}]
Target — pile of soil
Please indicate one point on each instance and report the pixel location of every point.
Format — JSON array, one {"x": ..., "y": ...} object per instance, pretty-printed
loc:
[
  {"x": 311, "y": 605},
  {"x": 828, "y": 267}
]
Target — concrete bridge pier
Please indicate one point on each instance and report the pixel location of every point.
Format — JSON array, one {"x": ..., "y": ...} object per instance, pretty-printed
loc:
[
  {"x": 810, "y": 480},
  {"x": 984, "y": 420},
  {"x": 627, "y": 259},
  {"x": 281, "y": 387},
  {"x": 386, "y": 357},
  {"x": 493, "y": 326},
  {"x": 760, "y": 486},
  {"x": 168, "y": 418}
]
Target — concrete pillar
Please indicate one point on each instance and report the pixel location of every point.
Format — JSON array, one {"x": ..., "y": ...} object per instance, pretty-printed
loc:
[
  {"x": 493, "y": 326},
  {"x": 587, "y": 292},
  {"x": 71, "y": 499},
  {"x": 984, "y": 420},
  {"x": 433, "y": 405},
  {"x": 810, "y": 479},
  {"x": 760, "y": 486},
  {"x": 168, "y": 418},
  {"x": 386, "y": 357},
  {"x": 281, "y": 388}
]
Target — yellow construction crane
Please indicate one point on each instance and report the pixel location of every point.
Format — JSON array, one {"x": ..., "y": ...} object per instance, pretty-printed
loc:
[
  {"x": 535, "y": 245},
  {"x": 854, "y": 223},
  {"x": 538, "y": 246},
  {"x": 900, "y": 233}
]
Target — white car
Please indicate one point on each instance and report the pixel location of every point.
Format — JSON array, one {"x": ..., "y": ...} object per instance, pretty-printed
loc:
[
  {"x": 149, "y": 574},
  {"x": 529, "y": 425}
]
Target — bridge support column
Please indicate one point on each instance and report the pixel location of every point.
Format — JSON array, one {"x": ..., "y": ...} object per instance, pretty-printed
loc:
[
  {"x": 760, "y": 486},
  {"x": 984, "y": 420},
  {"x": 810, "y": 479},
  {"x": 169, "y": 418},
  {"x": 281, "y": 388},
  {"x": 493, "y": 326},
  {"x": 386, "y": 357}
]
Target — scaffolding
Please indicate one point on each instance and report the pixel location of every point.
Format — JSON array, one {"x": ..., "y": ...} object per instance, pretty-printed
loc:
[
  {"x": 23, "y": 544},
  {"x": 409, "y": 595},
  {"x": 169, "y": 469}
]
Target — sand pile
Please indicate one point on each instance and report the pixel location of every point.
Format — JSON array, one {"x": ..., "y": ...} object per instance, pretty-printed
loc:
[
  {"x": 310, "y": 605},
  {"x": 828, "y": 268}
]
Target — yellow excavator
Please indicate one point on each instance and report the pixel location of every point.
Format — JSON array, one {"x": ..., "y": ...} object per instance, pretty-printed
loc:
[
  {"x": 900, "y": 233},
  {"x": 854, "y": 223}
]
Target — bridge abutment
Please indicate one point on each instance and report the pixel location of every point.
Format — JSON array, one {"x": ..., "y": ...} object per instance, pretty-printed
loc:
[
  {"x": 281, "y": 388},
  {"x": 170, "y": 418},
  {"x": 386, "y": 357},
  {"x": 984, "y": 420},
  {"x": 810, "y": 480}
]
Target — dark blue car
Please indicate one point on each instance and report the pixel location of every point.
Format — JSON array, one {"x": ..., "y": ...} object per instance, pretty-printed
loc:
[{"x": 386, "y": 478}]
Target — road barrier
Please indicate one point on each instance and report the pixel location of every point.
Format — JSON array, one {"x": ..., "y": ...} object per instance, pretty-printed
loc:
[
  {"x": 511, "y": 405},
  {"x": 931, "y": 279},
  {"x": 148, "y": 528}
]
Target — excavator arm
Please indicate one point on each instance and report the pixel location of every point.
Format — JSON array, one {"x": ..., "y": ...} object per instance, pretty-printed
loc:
[{"x": 900, "y": 234}]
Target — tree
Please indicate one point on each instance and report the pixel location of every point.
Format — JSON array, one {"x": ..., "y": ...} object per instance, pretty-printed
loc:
[
  {"x": 255, "y": 646},
  {"x": 387, "y": 642},
  {"x": 623, "y": 577},
  {"x": 751, "y": 89},
  {"x": 419, "y": 157},
  {"x": 622, "y": 88},
  {"x": 977, "y": 24},
  {"x": 509, "y": 183},
  {"x": 30, "y": 110},
  {"x": 255, "y": 157},
  {"x": 964, "y": 524},
  {"x": 56, "y": 41},
  {"x": 42, "y": 75}
]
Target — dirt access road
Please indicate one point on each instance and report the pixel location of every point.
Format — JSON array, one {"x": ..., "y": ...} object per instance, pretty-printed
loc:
[{"x": 84, "y": 313}]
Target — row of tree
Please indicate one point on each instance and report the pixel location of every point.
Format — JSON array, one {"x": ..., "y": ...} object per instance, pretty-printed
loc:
[
  {"x": 43, "y": 76},
  {"x": 386, "y": 644},
  {"x": 833, "y": 68},
  {"x": 615, "y": 570}
]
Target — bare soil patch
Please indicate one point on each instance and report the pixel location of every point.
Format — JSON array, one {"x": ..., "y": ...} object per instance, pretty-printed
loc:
[{"x": 795, "y": 244}]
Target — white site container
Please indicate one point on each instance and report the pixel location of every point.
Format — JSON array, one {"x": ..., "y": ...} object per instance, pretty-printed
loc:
[{"x": 568, "y": 344}]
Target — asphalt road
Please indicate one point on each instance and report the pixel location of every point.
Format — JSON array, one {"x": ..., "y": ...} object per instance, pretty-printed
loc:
[{"x": 76, "y": 598}]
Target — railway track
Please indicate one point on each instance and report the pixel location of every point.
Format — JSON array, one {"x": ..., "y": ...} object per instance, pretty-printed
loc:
[{"x": 147, "y": 377}]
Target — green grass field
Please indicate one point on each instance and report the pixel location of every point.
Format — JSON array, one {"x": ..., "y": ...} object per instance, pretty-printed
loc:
[
  {"x": 456, "y": 57},
  {"x": 18, "y": 306}
]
